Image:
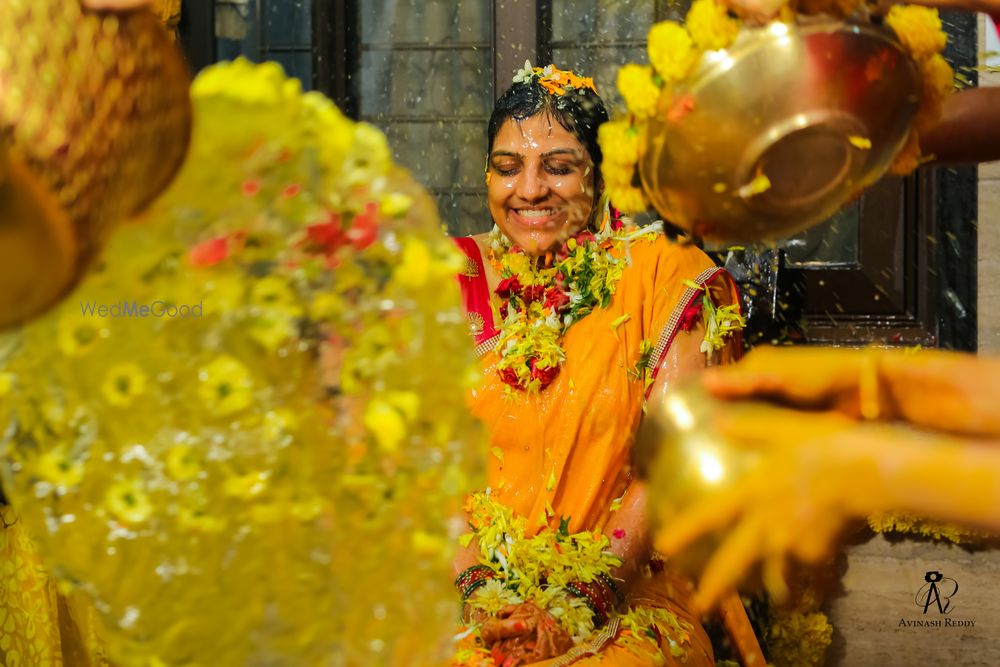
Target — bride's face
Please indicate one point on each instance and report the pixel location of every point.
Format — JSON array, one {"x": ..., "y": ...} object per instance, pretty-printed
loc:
[{"x": 541, "y": 184}]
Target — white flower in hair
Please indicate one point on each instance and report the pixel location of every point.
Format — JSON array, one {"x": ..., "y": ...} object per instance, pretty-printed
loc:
[{"x": 524, "y": 75}]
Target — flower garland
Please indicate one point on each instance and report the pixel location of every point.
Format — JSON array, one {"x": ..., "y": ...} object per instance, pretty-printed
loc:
[
  {"x": 541, "y": 297},
  {"x": 543, "y": 570},
  {"x": 151, "y": 441},
  {"x": 556, "y": 81},
  {"x": 675, "y": 51},
  {"x": 721, "y": 322}
]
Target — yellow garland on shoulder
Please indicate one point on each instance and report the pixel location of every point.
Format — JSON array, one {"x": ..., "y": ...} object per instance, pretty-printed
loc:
[
  {"x": 720, "y": 322},
  {"x": 904, "y": 522}
]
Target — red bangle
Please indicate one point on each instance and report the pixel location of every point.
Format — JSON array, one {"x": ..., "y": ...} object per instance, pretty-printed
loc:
[
  {"x": 472, "y": 578},
  {"x": 600, "y": 596}
]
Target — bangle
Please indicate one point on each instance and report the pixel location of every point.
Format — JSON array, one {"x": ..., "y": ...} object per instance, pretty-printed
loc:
[
  {"x": 619, "y": 597},
  {"x": 598, "y": 595},
  {"x": 472, "y": 578}
]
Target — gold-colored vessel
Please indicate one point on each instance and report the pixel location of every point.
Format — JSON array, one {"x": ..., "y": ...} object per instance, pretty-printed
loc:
[
  {"x": 778, "y": 132},
  {"x": 94, "y": 122}
]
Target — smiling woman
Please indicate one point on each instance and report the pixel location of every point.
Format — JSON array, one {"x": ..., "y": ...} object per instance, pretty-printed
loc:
[{"x": 579, "y": 318}]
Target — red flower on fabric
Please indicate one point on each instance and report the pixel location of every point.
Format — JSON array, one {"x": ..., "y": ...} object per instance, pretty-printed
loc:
[
  {"x": 690, "y": 316},
  {"x": 509, "y": 376},
  {"x": 556, "y": 298},
  {"x": 508, "y": 287},
  {"x": 210, "y": 252},
  {"x": 533, "y": 293},
  {"x": 327, "y": 236},
  {"x": 619, "y": 533},
  {"x": 364, "y": 227},
  {"x": 251, "y": 187},
  {"x": 544, "y": 375},
  {"x": 291, "y": 190}
]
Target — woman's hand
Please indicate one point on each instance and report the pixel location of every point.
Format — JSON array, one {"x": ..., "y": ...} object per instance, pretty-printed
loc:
[
  {"x": 945, "y": 391},
  {"x": 816, "y": 472},
  {"x": 523, "y": 634}
]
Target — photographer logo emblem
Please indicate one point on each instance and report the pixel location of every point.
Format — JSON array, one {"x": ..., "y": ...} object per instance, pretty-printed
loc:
[{"x": 936, "y": 593}]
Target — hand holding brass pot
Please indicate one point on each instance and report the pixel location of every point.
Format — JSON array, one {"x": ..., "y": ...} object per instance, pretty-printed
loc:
[{"x": 780, "y": 130}]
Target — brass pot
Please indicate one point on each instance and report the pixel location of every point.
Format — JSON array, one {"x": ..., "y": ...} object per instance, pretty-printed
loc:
[
  {"x": 94, "y": 122},
  {"x": 820, "y": 110}
]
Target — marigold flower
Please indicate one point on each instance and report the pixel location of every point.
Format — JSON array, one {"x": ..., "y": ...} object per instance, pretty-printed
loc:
[
  {"x": 710, "y": 26},
  {"x": 918, "y": 28},
  {"x": 637, "y": 88},
  {"x": 620, "y": 144},
  {"x": 629, "y": 199},
  {"x": 58, "y": 468},
  {"x": 182, "y": 463},
  {"x": 671, "y": 51},
  {"x": 386, "y": 425},
  {"x": 908, "y": 157},
  {"x": 128, "y": 502},
  {"x": 76, "y": 335},
  {"x": 123, "y": 383},
  {"x": 226, "y": 386},
  {"x": 938, "y": 82}
]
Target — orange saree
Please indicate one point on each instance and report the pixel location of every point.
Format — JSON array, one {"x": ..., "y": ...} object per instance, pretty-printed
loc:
[{"x": 564, "y": 453}]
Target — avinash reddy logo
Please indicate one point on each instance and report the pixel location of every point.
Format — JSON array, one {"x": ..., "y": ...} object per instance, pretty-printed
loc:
[
  {"x": 935, "y": 598},
  {"x": 936, "y": 593}
]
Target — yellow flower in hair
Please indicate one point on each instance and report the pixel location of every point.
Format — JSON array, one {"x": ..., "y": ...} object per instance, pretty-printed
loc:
[
  {"x": 637, "y": 88},
  {"x": 919, "y": 29},
  {"x": 123, "y": 383},
  {"x": 938, "y": 81},
  {"x": 226, "y": 386},
  {"x": 671, "y": 51},
  {"x": 710, "y": 26}
]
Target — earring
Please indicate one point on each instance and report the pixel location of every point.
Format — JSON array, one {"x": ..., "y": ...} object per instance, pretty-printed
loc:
[{"x": 489, "y": 177}]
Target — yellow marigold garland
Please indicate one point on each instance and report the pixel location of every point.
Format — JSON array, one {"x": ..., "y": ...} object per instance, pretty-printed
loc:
[
  {"x": 919, "y": 30},
  {"x": 904, "y": 522},
  {"x": 799, "y": 635},
  {"x": 637, "y": 88},
  {"x": 710, "y": 26},
  {"x": 538, "y": 569}
]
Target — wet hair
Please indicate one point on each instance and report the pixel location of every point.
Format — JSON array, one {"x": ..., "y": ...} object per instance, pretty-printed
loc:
[{"x": 581, "y": 112}]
